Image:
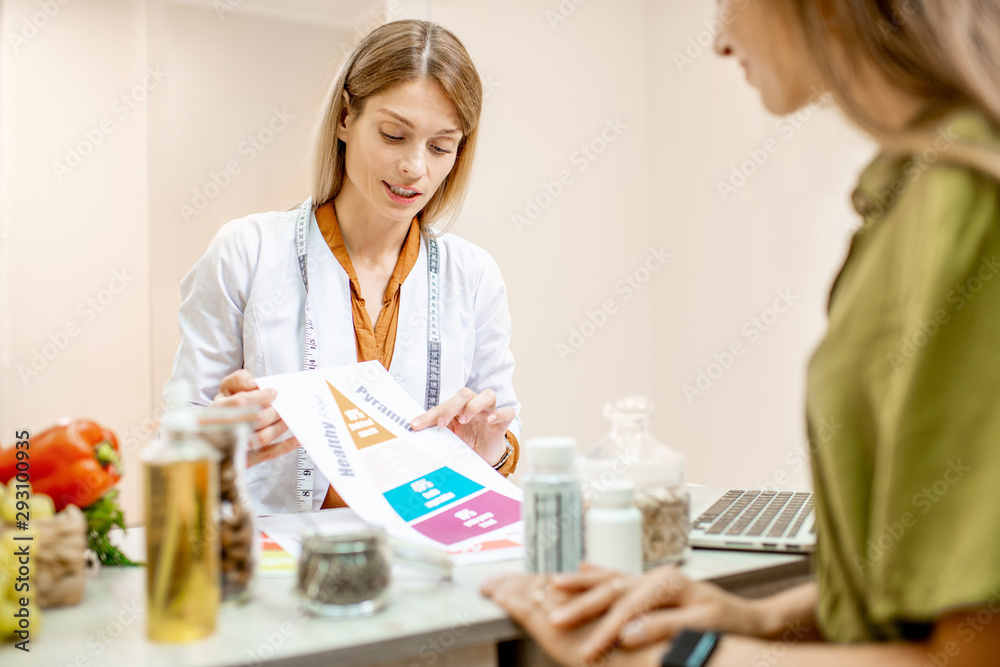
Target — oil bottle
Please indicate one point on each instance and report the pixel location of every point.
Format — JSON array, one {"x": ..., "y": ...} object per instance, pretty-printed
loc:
[{"x": 182, "y": 542}]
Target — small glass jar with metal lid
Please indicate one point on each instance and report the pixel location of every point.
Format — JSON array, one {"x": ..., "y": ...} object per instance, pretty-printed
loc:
[{"x": 344, "y": 571}]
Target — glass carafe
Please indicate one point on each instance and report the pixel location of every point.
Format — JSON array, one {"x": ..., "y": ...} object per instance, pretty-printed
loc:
[{"x": 630, "y": 452}]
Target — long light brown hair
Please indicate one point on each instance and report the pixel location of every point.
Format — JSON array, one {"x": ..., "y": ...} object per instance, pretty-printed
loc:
[
  {"x": 945, "y": 53},
  {"x": 393, "y": 54}
]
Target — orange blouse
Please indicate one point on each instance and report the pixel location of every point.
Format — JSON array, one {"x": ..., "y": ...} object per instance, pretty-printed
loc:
[{"x": 379, "y": 341}]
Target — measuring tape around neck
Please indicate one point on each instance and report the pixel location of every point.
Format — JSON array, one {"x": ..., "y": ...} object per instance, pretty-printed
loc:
[
  {"x": 433, "y": 332},
  {"x": 306, "y": 469}
]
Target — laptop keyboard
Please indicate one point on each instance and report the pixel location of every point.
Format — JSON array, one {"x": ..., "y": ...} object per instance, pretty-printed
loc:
[{"x": 751, "y": 513}]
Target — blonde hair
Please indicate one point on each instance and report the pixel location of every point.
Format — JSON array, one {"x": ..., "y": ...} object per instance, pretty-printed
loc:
[
  {"x": 942, "y": 52},
  {"x": 396, "y": 53}
]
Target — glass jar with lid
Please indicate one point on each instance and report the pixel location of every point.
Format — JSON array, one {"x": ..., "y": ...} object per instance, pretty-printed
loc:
[
  {"x": 344, "y": 570},
  {"x": 230, "y": 431},
  {"x": 630, "y": 452}
]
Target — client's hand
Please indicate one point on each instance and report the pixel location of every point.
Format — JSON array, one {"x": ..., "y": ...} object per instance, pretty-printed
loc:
[
  {"x": 531, "y": 599},
  {"x": 240, "y": 389},
  {"x": 475, "y": 419},
  {"x": 638, "y": 611},
  {"x": 592, "y": 591}
]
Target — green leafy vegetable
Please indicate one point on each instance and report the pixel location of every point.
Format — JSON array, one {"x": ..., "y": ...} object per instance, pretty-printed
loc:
[{"x": 102, "y": 516}]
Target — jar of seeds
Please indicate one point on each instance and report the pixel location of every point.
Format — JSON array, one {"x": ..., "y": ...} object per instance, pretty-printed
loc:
[
  {"x": 630, "y": 452},
  {"x": 344, "y": 571},
  {"x": 230, "y": 431}
]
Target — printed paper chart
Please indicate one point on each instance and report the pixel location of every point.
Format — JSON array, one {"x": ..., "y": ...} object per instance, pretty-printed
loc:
[{"x": 433, "y": 499}]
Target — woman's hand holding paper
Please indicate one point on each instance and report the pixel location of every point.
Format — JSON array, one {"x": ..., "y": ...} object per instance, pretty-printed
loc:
[
  {"x": 240, "y": 389},
  {"x": 475, "y": 419}
]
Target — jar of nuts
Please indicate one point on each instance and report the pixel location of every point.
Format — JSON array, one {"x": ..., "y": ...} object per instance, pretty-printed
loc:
[
  {"x": 230, "y": 430},
  {"x": 630, "y": 452}
]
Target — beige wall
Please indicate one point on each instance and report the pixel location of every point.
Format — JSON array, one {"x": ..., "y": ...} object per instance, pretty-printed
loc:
[
  {"x": 560, "y": 76},
  {"x": 75, "y": 285},
  {"x": 197, "y": 84},
  {"x": 784, "y": 229},
  {"x": 555, "y": 94},
  {"x": 563, "y": 68}
]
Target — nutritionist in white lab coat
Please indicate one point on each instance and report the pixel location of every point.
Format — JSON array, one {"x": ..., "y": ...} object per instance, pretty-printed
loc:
[{"x": 358, "y": 272}]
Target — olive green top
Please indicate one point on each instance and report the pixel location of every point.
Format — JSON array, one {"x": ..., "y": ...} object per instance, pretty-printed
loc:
[{"x": 903, "y": 399}]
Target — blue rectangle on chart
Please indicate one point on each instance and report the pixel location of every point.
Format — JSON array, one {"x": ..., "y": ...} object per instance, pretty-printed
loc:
[{"x": 426, "y": 494}]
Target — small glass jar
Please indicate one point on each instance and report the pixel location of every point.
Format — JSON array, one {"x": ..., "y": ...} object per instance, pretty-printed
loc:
[
  {"x": 630, "y": 452},
  {"x": 344, "y": 572}
]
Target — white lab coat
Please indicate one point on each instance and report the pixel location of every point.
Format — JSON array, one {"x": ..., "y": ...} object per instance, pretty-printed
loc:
[{"x": 242, "y": 307}]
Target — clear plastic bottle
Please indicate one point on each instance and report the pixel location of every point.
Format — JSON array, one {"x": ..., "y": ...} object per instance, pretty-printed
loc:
[
  {"x": 630, "y": 452},
  {"x": 182, "y": 537},
  {"x": 614, "y": 530},
  {"x": 552, "y": 508}
]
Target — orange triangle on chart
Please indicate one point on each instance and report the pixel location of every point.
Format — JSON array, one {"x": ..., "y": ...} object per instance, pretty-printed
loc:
[{"x": 364, "y": 430}]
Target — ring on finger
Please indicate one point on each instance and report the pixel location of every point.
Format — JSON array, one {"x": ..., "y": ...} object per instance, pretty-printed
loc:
[
  {"x": 634, "y": 629},
  {"x": 541, "y": 592}
]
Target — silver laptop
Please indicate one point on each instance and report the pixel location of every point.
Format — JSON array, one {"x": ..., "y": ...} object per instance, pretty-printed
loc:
[{"x": 753, "y": 519}]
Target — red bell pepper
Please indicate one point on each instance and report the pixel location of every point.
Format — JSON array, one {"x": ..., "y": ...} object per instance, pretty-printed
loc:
[{"x": 75, "y": 462}]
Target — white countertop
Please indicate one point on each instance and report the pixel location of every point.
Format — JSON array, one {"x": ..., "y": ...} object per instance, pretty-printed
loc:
[{"x": 423, "y": 618}]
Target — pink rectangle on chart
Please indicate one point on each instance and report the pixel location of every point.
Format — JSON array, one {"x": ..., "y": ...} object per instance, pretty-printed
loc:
[
  {"x": 397, "y": 462},
  {"x": 469, "y": 519}
]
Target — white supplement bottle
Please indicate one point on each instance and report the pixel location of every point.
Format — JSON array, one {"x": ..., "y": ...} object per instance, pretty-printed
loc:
[{"x": 614, "y": 529}]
